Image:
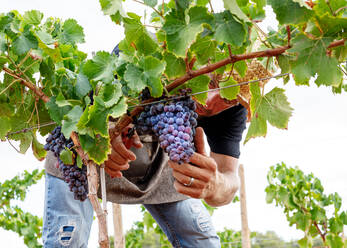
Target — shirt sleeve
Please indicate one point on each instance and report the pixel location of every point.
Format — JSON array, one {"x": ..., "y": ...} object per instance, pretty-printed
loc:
[{"x": 224, "y": 130}]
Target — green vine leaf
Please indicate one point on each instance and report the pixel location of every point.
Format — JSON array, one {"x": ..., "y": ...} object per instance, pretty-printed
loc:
[
  {"x": 296, "y": 15},
  {"x": 181, "y": 34},
  {"x": 97, "y": 148},
  {"x": 137, "y": 36},
  {"x": 67, "y": 157},
  {"x": 229, "y": 93},
  {"x": 5, "y": 126},
  {"x": 100, "y": 68},
  {"x": 72, "y": 32},
  {"x": 70, "y": 121},
  {"x": 226, "y": 28},
  {"x": 25, "y": 42},
  {"x": 235, "y": 9},
  {"x": 199, "y": 84},
  {"x": 38, "y": 150},
  {"x": 311, "y": 59},
  {"x": 33, "y": 17}
]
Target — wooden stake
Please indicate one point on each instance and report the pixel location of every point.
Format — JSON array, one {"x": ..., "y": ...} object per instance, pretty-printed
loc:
[
  {"x": 246, "y": 242},
  {"x": 119, "y": 240}
]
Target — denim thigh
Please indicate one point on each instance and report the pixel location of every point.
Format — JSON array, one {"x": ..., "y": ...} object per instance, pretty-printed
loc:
[
  {"x": 186, "y": 223},
  {"x": 66, "y": 221}
]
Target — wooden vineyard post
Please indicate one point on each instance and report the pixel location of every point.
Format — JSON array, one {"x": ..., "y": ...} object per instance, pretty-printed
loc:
[
  {"x": 246, "y": 242},
  {"x": 119, "y": 240}
]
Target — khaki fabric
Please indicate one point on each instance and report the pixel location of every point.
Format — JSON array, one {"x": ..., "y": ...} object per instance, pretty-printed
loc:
[{"x": 149, "y": 179}]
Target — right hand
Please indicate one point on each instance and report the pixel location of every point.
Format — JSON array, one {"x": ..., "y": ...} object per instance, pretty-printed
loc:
[{"x": 120, "y": 155}]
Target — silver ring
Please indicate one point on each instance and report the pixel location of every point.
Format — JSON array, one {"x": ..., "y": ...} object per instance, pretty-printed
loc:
[{"x": 190, "y": 182}]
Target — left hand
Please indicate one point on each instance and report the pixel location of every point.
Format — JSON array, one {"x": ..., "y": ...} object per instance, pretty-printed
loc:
[{"x": 202, "y": 168}]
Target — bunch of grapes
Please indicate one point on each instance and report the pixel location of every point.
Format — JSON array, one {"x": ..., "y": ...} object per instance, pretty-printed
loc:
[
  {"x": 73, "y": 175},
  {"x": 174, "y": 123}
]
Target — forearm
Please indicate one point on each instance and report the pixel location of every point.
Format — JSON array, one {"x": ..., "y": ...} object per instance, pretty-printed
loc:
[{"x": 227, "y": 184}]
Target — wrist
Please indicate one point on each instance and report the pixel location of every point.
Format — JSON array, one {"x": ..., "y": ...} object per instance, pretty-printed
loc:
[{"x": 224, "y": 191}]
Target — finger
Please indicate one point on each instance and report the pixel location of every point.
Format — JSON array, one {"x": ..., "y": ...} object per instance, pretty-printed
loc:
[
  {"x": 203, "y": 161},
  {"x": 118, "y": 145},
  {"x": 199, "y": 141},
  {"x": 113, "y": 173},
  {"x": 191, "y": 171},
  {"x": 117, "y": 158},
  {"x": 192, "y": 192},
  {"x": 116, "y": 167},
  {"x": 183, "y": 179}
]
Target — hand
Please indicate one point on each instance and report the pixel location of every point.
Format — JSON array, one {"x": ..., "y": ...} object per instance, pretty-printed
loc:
[
  {"x": 120, "y": 155},
  {"x": 203, "y": 169}
]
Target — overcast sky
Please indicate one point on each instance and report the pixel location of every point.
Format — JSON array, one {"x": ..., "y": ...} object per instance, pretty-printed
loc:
[{"x": 316, "y": 138}]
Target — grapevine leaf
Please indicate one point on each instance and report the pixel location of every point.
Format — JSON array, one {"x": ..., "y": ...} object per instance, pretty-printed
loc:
[
  {"x": 202, "y": 2},
  {"x": 241, "y": 67},
  {"x": 25, "y": 142},
  {"x": 100, "y": 68},
  {"x": 82, "y": 86},
  {"x": 181, "y": 34},
  {"x": 235, "y": 9},
  {"x": 257, "y": 128},
  {"x": 61, "y": 102},
  {"x": 110, "y": 94},
  {"x": 55, "y": 111},
  {"x": 321, "y": 7},
  {"x": 112, "y": 7},
  {"x": 177, "y": 65},
  {"x": 33, "y": 17},
  {"x": 312, "y": 59},
  {"x": 82, "y": 123},
  {"x": 152, "y": 70},
  {"x": 182, "y": 5},
  {"x": 45, "y": 37},
  {"x": 147, "y": 74},
  {"x": 79, "y": 161},
  {"x": 229, "y": 93},
  {"x": 5, "y": 127},
  {"x": 119, "y": 109},
  {"x": 275, "y": 108},
  {"x": 226, "y": 28},
  {"x": 3, "y": 43},
  {"x": 137, "y": 35},
  {"x": 72, "y": 32},
  {"x": 97, "y": 148},
  {"x": 204, "y": 48},
  {"x": 199, "y": 84},
  {"x": 70, "y": 121},
  {"x": 67, "y": 157},
  {"x": 151, "y": 3},
  {"x": 38, "y": 150},
  {"x": 296, "y": 15},
  {"x": 133, "y": 76},
  {"x": 24, "y": 43},
  {"x": 97, "y": 119},
  {"x": 334, "y": 241}
]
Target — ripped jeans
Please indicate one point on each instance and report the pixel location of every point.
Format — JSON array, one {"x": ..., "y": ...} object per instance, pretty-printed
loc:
[{"x": 67, "y": 222}]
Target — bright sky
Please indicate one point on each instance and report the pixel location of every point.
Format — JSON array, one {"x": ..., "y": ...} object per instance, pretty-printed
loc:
[{"x": 316, "y": 138}]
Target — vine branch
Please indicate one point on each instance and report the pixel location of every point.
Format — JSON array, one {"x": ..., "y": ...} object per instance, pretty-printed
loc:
[
  {"x": 320, "y": 232},
  {"x": 125, "y": 120},
  {"x": 29, "y": 84}
]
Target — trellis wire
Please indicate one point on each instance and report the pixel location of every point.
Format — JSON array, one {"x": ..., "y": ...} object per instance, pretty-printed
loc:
[
  {"x": 164, "y": 100},
  {"x": 209, "y": 90}
]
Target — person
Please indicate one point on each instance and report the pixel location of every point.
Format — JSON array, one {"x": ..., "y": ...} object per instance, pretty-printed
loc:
[{"x": 171, "y": 192}]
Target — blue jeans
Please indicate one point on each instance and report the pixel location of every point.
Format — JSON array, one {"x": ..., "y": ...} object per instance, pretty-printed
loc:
[{"x": 67, "y": 222}]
